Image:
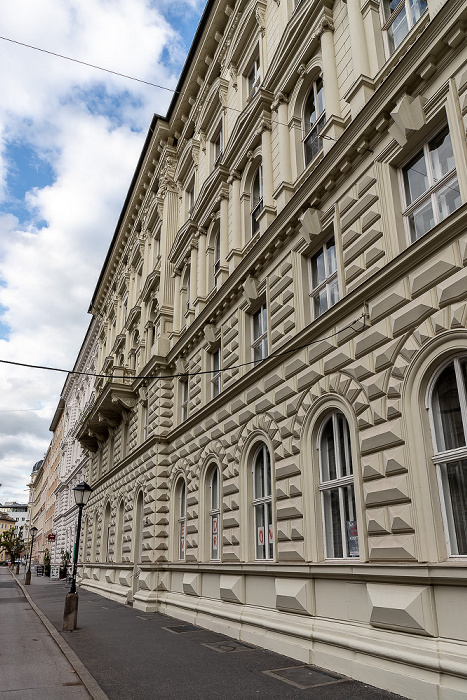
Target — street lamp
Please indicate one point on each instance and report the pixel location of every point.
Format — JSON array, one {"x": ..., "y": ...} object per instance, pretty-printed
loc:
[
  {"x": 81, "y": 493},
  {"x": 27, "y": 580}
]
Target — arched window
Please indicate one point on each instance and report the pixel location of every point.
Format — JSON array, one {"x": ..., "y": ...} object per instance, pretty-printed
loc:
[
  {"x": 106, "y": 535},
  {"x": 262, "y": 505},
  {"x": 214, "y": 513},
  {"x": 118, "y": 544},
  {"x": 448, "y": 414},
  {"x": 337, "y": 488},
  {"x": 313, "y": 120},
  {"x": 181, "y": 498},
  {"x": 256, "y": 199}
]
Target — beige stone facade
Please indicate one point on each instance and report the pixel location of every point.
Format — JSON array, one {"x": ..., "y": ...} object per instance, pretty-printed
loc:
[{"x": 278, "y": 451}]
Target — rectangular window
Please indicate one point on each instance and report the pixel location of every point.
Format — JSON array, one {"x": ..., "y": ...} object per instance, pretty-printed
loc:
[
  {"x": 324, "y": 291},
  {"x": 260, "y": 334},
  {"x": 399, "y": 16},
  {"x": 190, "y": 195},
  {"x": 430, "y": 186},
  {"x": 217, "y": 147},
  {"x": 185, "y": 399},
  {"x": 254, "y": 78},
  {"x": 216, "y": 376}
]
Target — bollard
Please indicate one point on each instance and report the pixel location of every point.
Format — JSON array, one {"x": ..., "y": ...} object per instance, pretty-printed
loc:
[{"x": 70, "y": 614}]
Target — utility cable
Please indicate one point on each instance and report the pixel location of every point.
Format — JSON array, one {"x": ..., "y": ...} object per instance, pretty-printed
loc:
[
  {"x": 128, "y": 77},
  {"x": 193, "y": 374}
]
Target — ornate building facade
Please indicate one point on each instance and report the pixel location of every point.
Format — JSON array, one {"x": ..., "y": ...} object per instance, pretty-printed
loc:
[
  {"x": 277, "y": 448},
  {"x": 76, "y": 398}
]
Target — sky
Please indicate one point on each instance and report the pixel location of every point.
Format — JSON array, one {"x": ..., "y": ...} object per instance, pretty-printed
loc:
[{"x": 70, "y": 138}]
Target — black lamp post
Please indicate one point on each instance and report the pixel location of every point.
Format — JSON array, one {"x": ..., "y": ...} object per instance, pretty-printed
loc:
[
  {"x": 27, "y": 580},
  {"x": 81, "y": 493}
]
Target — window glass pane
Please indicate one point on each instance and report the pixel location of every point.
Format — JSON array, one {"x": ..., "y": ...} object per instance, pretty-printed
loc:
[
  {"x": 270, "y": 538},
  {"x": 415, "y": 178},
  {"x": 181, "y": 552},
  {"x": 417, "y": 8},
  {"x": 182, "y": 500},
  {"x": 261, "y": 532},
  {"x": 256, "y": 190},
  {"x": 267, "y": 468},
  {"x": 310, "y": 110},
  {"x": 327, "y": 453},
  {"x": 350, "y": 521},
  {"x": 259, "y": 486},
  {"x": 333, "y": 292},
  {"x": 264, "y": 315},
  {"x": 343, "y": 438},
  {"x": 442, "y": 157},
  {"x": 454, "y": 480},
  {"x": 331, "y": 257},
  {"x": 215, "y": 490},
  {"x": 398, "y": 29},
  {"x": 447, "y": 416},
  {"x": 449, "y": 198},
  {"x": 421, "y": 220},
  {"x": 257, "y": 331},
  {"x": 318, "y": 270},
  {"x": 215, "y": 536},
  {"x": 320, "y": 302},
  {"x": 320, "y": 95},
  {"x": 332, "y": 523}
]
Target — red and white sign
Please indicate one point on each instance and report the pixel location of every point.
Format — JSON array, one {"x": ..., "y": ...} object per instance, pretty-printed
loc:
[
  {"x": 214, "y": 541},
  {"x": 261, "y": 535},
  {"x": 51, "y": 537},
  {"x": 214, "y": 524},
  {"x": 270, "y": 534}
]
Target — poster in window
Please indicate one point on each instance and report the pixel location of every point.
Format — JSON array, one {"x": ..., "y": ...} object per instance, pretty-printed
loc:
[
  {"x": 261, "y": 536},
  {"x": 214, "y": 523},
  {"x": 182, "y": 537},
  {"x": 270, "y": 534},
  {"x": 352, "y": 538}
]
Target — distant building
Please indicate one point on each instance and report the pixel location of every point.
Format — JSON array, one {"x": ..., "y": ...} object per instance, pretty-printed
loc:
[
  {"x": 19, "y": 512},
  {"x": 6, "y": 523},
  {"x": 277, "y": 435}
]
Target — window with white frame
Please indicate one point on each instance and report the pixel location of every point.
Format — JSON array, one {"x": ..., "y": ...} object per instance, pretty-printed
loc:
[
  {"x": 399, "y": 16},
  {"x": 254, "y": 78},
  {"x": 217, "y": 147},
  {"x": 256, "y": 200},
  {"x": 260, "y": 334},
  {"x": 216, "y": 375},
  {"x": 314, "y": 118},
  {"x": 324, "y": 287},
  {"x": 448, "y": 416},
  {"x": 430, "y": 186},
  {"x": 262, "y": 505},
  {"x": 181, "y": 519},
  {"x": 214, "y": 513},
  {"x": 337, "y": 489},
  {"x": 185, "y": 398}
]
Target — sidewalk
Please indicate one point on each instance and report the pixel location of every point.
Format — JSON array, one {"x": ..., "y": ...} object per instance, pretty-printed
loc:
[
  {"x": 32, "y": 666},
  {"x": 134, "y": 655}
]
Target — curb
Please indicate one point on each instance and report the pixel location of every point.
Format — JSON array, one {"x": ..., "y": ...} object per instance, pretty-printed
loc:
[{"x": 89, "y": 682}]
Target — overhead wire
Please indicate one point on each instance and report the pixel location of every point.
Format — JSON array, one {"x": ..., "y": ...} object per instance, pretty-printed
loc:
[
  {"x": 128, "y": 77},
  {"x": 279, "y": 353}
]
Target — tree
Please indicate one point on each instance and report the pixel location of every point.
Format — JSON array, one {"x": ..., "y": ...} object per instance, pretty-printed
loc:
[{"x": 13, "y": 544}]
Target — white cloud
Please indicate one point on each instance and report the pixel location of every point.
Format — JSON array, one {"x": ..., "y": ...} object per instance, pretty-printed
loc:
[{"x": 89, "y": 126}]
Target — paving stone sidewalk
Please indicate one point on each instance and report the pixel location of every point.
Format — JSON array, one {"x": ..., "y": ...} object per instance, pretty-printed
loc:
[{"x": 134, "y": 655}]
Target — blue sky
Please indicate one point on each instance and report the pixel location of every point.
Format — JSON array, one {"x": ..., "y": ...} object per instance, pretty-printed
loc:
[{"x": 70, "y": 138}]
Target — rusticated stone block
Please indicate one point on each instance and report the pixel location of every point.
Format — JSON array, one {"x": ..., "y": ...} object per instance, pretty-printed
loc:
[
  {"x": 294, "y": 595},
  {"x": 454, "y": 289},
  {"x": 401, "y": 607},
  {"x": 392, "y": 548},
  {"x": 378, "y": 439},
  {"x": 389, "y": 490},
  {"x": 232, "y": 588},
  {"x": 413, "y": 314},
  {"x": 192, "y": 583}
]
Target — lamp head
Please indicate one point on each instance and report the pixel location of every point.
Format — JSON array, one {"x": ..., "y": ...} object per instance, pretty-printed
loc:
[{"x": 81, "y": 493}]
